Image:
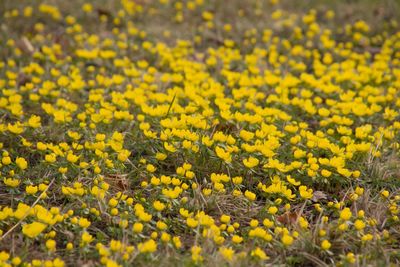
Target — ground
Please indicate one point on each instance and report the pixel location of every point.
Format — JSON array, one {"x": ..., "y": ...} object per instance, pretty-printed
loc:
[{"x": 199, "y": 133}]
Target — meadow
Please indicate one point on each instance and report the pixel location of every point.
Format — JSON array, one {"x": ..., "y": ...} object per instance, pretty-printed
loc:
[{"x": 199, "y": 133}]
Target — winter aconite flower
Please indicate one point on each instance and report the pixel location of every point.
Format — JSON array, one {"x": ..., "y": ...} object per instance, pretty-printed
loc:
[
  {"x": 287, "y": 240},
  {"x": 142, "y": 133},
  {"x": 250, "y": 162},
  {"x": 32, "y": 230},
  {"x": 325, "y": 244},
  {"x": 21, "y": 163},
  {"x": 148, "y": 246},
  {"x": 345, "y": 214}
]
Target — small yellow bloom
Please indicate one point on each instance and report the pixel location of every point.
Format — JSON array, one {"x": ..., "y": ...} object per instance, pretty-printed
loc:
[
  {"x": 51, "y": 245},
  {"x": 148, "y": 246},
  {"x": 158, "y": 205},
  {"x": 250, "y": 195},
  {"x": 237, "y": 239},
  {"x": 226, "y": 253},
  {"x": 359, "y": 225},
  {"x": 251, "y": 162},
  {"x": 21, "y": 163},
  {"x": 272, "y": 210},
  {"x": 11, "y": 182},
  {"x": 69, "y": 246},
  {"x": 86, "y": 238},
  {"x": 345, "y": 214},
  {"x": 259, "y": 253},
  {"x": 192, "y": 223},
  {"x": 137, "y": 227},
  {"x": 31, "y": 189},
  {"x": 385, "y": 193},
  {"x": 32, "y": 230},
  {"x": 287, "y": 240},
  {"x": 6, "y": 160},
  {"x": 325, "y": 245}
]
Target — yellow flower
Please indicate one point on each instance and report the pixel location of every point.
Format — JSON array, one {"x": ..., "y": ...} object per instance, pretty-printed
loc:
[
  {"x": 287, "y": 240},
  {"x": 169, "y": 147},
  {"x": 325, "y": 245},
  {"x": 15, "y": 128},
  {"x": 84, "y": 223},
  {"x": 11, "y": 182},
  {"x": 6, "y": 160},
  {"x": 150, "y": 168},
  {"x": 137, "y": 227},
  {"x": 326, "y": 173},
  {"x": 86, "y": 238},
  {"x": 31, "y": 189},
  {"x": 51, "y": 245},
  {"x": 303, "y": 222},
  {"x": 72, "y": 158},
  {"x": 226, "y": 253},
  {"x": 225, "y": 218},
  {"x": 246, "y": 135},
  {"x": 161, "y": 156},
  {"x": 272, "y": 210},
  {"x": 113, "y": 202},
  {"x": 87, "y": 8},
  {"x": 148, "y": 246},
  {"x": 4, "y": 256},
  {"x": 192, "y": 223},
  {"x": 292, "y": 181},
  {"x": 207, "y": 15},
  {"x": 161, "y": 225},
  {"x": 21, "y": 163},
  {"x": 268, "y": 223},
  {"x": 69, "y": 246},
  {"x": 250, "y": 195},
  {"x": 32, "y": 230},
  {"x": 16, "y": 261},
  {"x": 305, "y": 193},
  {"x": 230, "y": 229},
  {"x": 63, "y": 170},
  {"x": 196, "y": 250},
  {"x": 385, "y": 193},
  {"x": 165, "y": 237},
  {"x": 345, "y": 214},
  {"x": 237, "y": 239},
  {"x": 359, "y": 225},
  {"x": 51, "y": 158},
  {"x": 251, "y": 162},
  {"x": 123, "y": 155},
  {"x": 367, "y": 237},
  {"x": 221, "y": 153},
  {"x": 259, "y": 253},
  {"x": 177, "y": 241},
  {"x": 111, "y": 263},
  {"x": 158, "y": 205},
  {"x": 350, "y": 257},
  {"x": 343, "y": 227},
  {"x": 34, "y": 121}
]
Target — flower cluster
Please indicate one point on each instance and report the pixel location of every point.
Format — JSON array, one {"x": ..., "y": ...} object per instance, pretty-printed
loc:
[{"x": 224, "y": 144}]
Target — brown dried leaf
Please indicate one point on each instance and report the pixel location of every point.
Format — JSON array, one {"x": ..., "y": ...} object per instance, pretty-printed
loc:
[
  {"x": 118, "y": 181},
  {"x": 23, "y": 79},
  {"x": 288, "y": 218},
  {"x": 318, "y": 195},
  {"x": 87, "y": 264},
  {"x": 103, "y": 11},
  {"x": 25, "y": 45},
  {"x": 69, "y": 234}
]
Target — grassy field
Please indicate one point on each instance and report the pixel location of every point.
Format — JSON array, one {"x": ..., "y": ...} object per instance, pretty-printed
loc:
[{"x": 199, "y": 133}]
